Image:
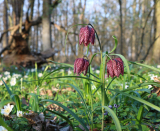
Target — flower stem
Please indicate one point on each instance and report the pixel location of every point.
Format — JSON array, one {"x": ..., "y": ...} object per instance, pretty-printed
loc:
[
  {"x": 97, "y": 37},
  {"x": 102, "y": 79},
  {"x": 102, "y": 93}
]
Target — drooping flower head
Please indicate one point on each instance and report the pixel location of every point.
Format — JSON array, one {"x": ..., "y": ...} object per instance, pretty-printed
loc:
[
  {"x": 81, "y": 65},
  {"x": 115, "y": 67},
  {"x": 86, "y": 36}
]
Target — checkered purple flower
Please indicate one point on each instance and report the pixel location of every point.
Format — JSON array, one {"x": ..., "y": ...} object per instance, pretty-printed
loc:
[
  {"x": 81, "y": 65},
  {"x": 86, "y": 36},
  {"x": 115, "y": 67}
]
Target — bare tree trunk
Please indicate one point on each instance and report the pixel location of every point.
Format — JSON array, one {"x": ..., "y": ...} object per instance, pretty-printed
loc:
[
  {"x": 121, "y": 28},
  {"x": 156, "y": 48},
  {"x": 32, "y": 5},
  {"x": 37, "y": 29},
  {"x": 46, "y": 25},
  {"x": 133, "y": 33},
  {"x": 5, "y": 23}
]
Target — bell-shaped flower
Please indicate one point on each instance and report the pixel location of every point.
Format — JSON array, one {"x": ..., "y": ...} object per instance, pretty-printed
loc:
[
  {"x": 81, "y": 65},
  {"x": 86, "y": 36},
  {"x": 115, "y": 67}
]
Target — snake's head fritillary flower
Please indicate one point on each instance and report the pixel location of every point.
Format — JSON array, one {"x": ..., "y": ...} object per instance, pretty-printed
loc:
[
  {"x": 120, "y": 64},
  {"x": 81, "y": 65},
  {"x": 85, "y": 67},
  {"x": 115, "y": 67},
  {"x": 86, "y": 36}
]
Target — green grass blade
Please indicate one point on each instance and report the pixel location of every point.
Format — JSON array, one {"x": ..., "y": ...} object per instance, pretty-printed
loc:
[
  {"x": 138, "y": 99},
  {"x": 35, "y": 103},
  {"x": 141, "y": 85},
  {"x": 64, "y": 64},
  {"x": 51, "y": 73},
  {"x": 78, "y": 93},
  {"x": 93, "y": 57},
  {"x": 64, "y": 77},
  {"x": 2, "y": 123},
  {"x": 68, "y": 110},
  {"x": 144, "y": 65},
  {"x": 97, "y": 89},
  {"x": 140, "y": 114},
  {"x": 7, "y": 87},
  {"x": 134, "y": 74},
  {"x": 5, "y": 102},
  {"x": 17, "y": 101},
  {"x": 114, "y": 117}
]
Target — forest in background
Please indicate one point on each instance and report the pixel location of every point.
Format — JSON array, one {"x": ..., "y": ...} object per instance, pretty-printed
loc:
[{"x": 135, "y": 23}]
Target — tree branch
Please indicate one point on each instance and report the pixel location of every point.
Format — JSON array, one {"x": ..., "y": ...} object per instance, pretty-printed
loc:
[{"x": 144, "y": 58}]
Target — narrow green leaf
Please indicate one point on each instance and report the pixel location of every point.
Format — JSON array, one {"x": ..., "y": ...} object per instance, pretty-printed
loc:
[
  {"x": 144, "y": 65},
  {"x": 2, "y": 123},
  {"x": 99, "y": 85},
  {"x": 114, "y": 117},
  {"x": 64, "y": 64},
  {"x": 93, "y": 57},
  {"x": 62, "y": 116},
  {"x": 7, "y": 87},
  {"x": 80, "y": 95},
  {"x": 64, "y": 77},
  {"x": 51, "y": 73},
  {"x": 68, "y": 110},
  {"x": 17, "y": 101},
  {"x": 35, "y": 101},
  {"x": 140, "y": 114},
  {"x": 141, "y": 85},
  {"x": 138, "y": 99},
  {"x": 5, "y": 102},
  {"x": 116, "y": 43},
  {"x": 133, "y": 88}
]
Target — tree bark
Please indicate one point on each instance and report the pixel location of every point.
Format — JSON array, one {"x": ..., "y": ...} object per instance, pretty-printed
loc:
[
  {"x": 121, "y": 28},
  {"x": 46, "y": 25},
  {"x": 5, "y": 23},
  {"x": 133, "y": 33},
  {"x": 156, "y": 47}
]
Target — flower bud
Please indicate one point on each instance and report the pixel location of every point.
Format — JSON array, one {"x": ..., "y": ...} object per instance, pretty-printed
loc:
[
  {"x": 116, "y": 106},
  {"x": 86, "y": 36}
]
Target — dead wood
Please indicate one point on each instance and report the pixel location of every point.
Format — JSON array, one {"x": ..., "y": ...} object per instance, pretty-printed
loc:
[{"x": 17, "y": 51}]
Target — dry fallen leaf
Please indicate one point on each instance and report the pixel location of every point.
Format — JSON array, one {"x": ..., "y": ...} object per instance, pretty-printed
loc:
[{"x": 156, "y": 89}]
